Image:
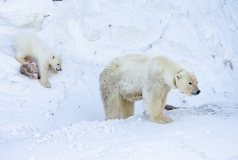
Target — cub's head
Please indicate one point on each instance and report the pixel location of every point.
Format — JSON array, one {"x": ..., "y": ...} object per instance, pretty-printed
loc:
[
  {"x": 187, "y": 83},
  {"x": 56, "y": 62}
]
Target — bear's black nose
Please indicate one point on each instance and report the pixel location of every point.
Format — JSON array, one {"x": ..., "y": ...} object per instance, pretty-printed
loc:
[{"x": 196, "y": 92}]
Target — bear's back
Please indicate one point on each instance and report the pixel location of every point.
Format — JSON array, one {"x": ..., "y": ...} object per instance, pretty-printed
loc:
[
  {"x": 131, "y": 61},
  {"x": 29, "y": 43}
]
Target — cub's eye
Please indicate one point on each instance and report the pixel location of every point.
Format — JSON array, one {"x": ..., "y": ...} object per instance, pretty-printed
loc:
[
  {"x": 197, "y": 82},
  {"x": 57, "y": 64},
  {"x": 189, "y": 83}
]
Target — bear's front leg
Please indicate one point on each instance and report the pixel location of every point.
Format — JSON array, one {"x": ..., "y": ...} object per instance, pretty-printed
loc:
[
  {"x": 43, "y": 78},
  {"x": 154, "y": 105},
  {"x": 53, "y": 70}
]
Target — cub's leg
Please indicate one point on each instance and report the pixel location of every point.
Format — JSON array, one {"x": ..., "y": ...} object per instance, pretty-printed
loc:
[
  {"x": 20, "y": 56},
  {"x": 43, "y": 76},
  {"x": 53, "y": 70}
]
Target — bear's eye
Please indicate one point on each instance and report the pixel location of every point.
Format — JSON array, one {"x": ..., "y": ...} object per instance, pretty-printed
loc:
[
  {"x": 189, "y": 83},
  {"x": 57, "y": 64}
]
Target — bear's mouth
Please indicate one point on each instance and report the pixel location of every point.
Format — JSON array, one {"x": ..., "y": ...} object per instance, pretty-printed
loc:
[{"x": 58, "y": 69}]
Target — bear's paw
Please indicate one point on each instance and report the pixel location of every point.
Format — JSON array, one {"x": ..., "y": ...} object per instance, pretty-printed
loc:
[
  {"x": 45, "y": 84},
  {"x": 163, "y": 120}
]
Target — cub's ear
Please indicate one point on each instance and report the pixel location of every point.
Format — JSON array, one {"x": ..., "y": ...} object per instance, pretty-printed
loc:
[
  {"x": 53, "y": 57},
  {"x": 177, "y": 76}
]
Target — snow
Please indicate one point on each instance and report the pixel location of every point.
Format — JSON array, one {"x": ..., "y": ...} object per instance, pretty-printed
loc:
[{"x": 67, "y": 120}]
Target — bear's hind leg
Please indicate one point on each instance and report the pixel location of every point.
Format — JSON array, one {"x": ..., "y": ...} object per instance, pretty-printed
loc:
[
  {"x": 127, "y": 108},
  {"x": 20, "y": 56},
  {"x": 112, "y": 106}
]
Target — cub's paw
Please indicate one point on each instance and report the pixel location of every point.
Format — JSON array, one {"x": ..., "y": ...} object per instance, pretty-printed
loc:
[
  {"x": 54, "y": 71},
  {"x": 45, "y": 84}
]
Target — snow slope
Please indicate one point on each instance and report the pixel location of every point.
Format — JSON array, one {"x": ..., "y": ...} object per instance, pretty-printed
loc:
[{"x": 67, "y": 120}]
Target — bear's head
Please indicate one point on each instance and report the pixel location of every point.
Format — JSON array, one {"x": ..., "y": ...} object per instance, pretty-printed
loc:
[
  {"x": 187, "y": 83},
  {"x": 56, "y": 62}
]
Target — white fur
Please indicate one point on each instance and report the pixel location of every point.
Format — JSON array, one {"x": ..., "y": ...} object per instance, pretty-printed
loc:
[
  {"x": 29, "y": 45},
  {"x": 133, "y": 77}
]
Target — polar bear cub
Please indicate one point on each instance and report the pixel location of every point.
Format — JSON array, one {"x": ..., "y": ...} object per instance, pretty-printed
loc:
[
  {"x": 133, "y": 77},
  {"x": 29, "y": 45}
]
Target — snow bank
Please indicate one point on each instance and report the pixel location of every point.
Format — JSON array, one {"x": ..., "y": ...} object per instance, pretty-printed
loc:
[
  {"x": 202, "y": 36},
  {"x": 23, "y": 14}
]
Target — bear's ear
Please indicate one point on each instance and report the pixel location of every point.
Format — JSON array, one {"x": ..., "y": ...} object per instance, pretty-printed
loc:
[
  {"x": 177, "y": 76},
  {"x": 53, "y": 57}
]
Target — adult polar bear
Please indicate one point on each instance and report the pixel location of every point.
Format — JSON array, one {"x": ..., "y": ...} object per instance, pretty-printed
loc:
[
  {"x": 133, "y": 77},
  {"x": 29, "y": 45}
]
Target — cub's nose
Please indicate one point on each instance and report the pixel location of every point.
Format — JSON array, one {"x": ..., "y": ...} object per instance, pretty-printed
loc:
[{"x": 198, "y": 92}]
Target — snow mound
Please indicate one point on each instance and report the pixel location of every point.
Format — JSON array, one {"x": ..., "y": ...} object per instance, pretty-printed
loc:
[{"x": 67, "y": 120}]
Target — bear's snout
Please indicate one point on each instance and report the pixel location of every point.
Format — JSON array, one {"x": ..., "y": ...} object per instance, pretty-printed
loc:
[
  {"x": 196, "y": 92},
  {"x": 58, "y": 69}
]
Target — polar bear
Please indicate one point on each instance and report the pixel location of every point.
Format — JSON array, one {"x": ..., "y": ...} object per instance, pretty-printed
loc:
[
  {"x": 29, "y": 45},
  {"x": 133, "y": 77}
]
